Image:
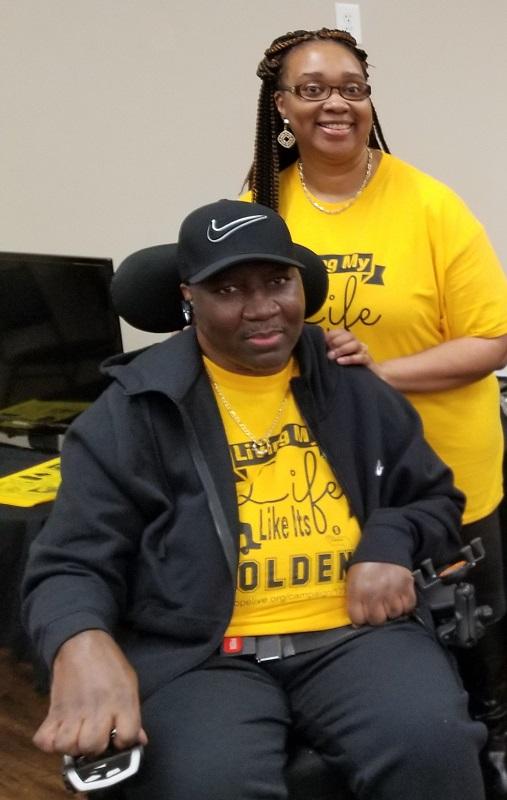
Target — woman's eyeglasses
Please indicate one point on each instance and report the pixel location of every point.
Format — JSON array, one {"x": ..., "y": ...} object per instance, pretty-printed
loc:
[{"x": 316, "y": 91}]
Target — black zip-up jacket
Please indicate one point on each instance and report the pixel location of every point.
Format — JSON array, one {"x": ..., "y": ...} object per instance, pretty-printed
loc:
[{"x": 143, "y": 539}]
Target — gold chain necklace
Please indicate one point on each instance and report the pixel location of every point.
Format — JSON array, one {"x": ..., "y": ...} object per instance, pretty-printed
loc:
[
  {"x": 352, "y": 199},
  {"x": 259, "y": 446}
]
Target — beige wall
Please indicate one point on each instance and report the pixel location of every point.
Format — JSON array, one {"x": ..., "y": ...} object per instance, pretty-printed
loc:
[{"x": 119, "y": 116}]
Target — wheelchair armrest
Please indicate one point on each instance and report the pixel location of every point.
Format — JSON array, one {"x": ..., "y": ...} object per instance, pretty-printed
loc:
[{"x": 458, "y": 620}]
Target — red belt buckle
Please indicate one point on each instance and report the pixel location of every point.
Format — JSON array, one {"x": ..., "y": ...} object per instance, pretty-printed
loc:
[{"x": 232, "y": 645}]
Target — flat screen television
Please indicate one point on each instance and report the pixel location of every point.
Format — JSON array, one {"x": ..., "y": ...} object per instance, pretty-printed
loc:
[{"x": 57, "y": 325}]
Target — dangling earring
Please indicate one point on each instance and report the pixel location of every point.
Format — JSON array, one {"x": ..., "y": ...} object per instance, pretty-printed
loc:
[
  {"x": 187, "y": 310},
  {"x": 286, "y": 138}
]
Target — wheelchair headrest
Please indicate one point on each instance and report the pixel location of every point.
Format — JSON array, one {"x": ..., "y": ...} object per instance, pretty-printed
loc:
[{"x": 146, "y": 287}]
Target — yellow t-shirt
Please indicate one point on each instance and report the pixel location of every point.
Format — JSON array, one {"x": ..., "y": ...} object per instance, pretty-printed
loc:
[
  {"x": 296, "y": 531},
  {"x": 410, "y": 267}
]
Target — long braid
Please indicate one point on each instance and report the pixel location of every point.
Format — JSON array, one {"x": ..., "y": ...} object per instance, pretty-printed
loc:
[
  {"x": 269, "y": 158},
  {"x": 266, "y": 159},
  {"x": 377, "y": 134}
]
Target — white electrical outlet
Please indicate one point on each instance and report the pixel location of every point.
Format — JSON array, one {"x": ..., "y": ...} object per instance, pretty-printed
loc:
[{"x": 348, "y": 18}]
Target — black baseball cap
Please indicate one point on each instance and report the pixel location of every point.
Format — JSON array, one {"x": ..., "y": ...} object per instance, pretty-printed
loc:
[{"x": 228, "y": 232}]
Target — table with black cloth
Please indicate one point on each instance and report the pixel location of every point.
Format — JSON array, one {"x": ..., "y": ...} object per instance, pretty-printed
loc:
[{"x": 18, "y": 528}]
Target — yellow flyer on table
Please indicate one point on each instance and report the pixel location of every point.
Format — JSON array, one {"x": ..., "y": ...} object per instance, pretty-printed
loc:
[
  {"x": 40, "y": 412},
  {"x": 29, "y": 487}
]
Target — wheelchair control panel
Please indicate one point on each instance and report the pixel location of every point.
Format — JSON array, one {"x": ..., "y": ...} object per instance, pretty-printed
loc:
[
  {"x": 82, "y": 774},
  {"x": 460, "y": 622}
]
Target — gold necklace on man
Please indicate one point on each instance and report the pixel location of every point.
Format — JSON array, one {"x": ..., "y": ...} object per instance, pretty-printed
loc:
[
  {"x": 259, "y": 446},
  {"x": 353, "y": 199}
]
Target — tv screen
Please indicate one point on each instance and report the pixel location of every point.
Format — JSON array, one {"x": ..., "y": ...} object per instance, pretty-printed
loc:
[{"x": 57, "y": 325}]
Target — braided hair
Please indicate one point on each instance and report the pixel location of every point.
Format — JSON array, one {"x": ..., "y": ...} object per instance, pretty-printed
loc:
[{"x": 269, "y": 157}]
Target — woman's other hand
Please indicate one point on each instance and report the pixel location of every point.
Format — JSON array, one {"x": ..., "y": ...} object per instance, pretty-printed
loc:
[{"x": 344, "y": 348}]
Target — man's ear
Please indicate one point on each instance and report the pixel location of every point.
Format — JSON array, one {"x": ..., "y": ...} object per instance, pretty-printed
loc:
[
  {"x": 185, "y": 291},
  {"x": 187, "y": 307}
]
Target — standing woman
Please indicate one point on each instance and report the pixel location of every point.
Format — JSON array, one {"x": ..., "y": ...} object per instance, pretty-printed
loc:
[{"x": 415, "y": 289}]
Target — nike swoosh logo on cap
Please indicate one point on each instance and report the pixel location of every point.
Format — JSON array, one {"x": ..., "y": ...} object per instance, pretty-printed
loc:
[{"x": 216, "y": 233}]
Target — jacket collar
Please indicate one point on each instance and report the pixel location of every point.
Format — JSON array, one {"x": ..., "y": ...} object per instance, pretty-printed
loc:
[{"x": 170, "y": 367}]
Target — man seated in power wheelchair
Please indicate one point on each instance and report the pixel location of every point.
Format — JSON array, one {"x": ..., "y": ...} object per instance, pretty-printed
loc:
[
  {"x": 459, "y": 622},
  {"x": 230, "y": 557}
]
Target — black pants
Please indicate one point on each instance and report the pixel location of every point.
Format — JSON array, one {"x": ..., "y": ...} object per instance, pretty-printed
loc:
[
  {"x": 484, "y": 667},
  {"x": 386, "y": 709},
  {"x": 488, "y": 576}
]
